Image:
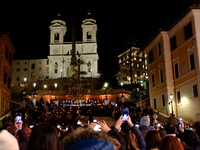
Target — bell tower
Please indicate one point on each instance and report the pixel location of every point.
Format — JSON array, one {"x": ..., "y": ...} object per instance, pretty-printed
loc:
[
  {"x": 89, "y": 29},
  {"x": 58, "y": 29}
]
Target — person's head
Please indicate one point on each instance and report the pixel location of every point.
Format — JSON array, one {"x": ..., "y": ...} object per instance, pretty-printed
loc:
[
  {"x": 145, "y": 121},
  {"x": 170, "y": 128},
  {"x": 152, "y": 139},
  {"x": 170, "y": 143},
  {"x": 87, "y": 138},
  {"x": 190, "y": 138},
  {"x": 197, "y": 127},
  {"x": 44, "y": 137},
  {"x": 162, "y": 132},
  {"x": 130, "y": 138}
]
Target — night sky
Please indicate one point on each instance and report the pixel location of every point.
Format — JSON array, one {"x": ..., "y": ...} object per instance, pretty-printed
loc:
[{"x": 28, "y": 24}]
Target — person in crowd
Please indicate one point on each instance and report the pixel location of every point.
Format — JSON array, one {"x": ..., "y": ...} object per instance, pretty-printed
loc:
[
  {"x": 162, "y": 132},
  {"x": 170, "y": 129},
  {"x": 141, "y": 145},
  {"x": 190, "y": 140},
  {"x": 27, "y": 130},
  {"x": 170, "y": 143},
  {"x": 197, "y": 127},
  {"x": 87, "y": 138},
  {"x": 44, "y": 137},
  {"x": 153, "y": 140},
  {"x": 120, "y": 142},
  {"x": 144, "y": 125},
  {"x": 8, "y": 141},
  {"x": 130, "y": 137}
]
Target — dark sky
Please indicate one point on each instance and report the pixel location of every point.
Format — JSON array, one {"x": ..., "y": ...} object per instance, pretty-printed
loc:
[{"x": 28, "y": 23}]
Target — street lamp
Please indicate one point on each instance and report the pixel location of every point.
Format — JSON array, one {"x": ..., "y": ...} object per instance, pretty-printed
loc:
[
  {"x": 171, "y": 103},
  {"x": 55, "y": 85},
  {"x": 25, "y": 79},
  {"x": 106, "y": 85},
  {"x": 34, "y": 85},
  {"x": 45, "y": 86}
]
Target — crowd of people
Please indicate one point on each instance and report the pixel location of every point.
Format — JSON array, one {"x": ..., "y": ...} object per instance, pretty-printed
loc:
[{"x": 64, "y": 127}]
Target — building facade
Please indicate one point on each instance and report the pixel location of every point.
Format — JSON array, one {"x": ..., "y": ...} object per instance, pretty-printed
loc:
[
  {"x": 57, "y": 64},
  {"x": 133, "y": 63},
  {"x": 173, "y": 68},
  {"x": 6, "y": 55}
]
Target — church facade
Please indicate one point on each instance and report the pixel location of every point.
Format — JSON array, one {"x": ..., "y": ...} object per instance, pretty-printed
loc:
[{"x": 59, "y": 62}]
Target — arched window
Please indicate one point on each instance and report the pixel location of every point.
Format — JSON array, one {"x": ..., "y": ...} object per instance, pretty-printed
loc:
[
  {"x": 89, "y": 36},
  {"x": 56, "y": 37}
]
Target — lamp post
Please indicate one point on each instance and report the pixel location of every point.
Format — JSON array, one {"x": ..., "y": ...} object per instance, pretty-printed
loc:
[
  {"x": 122, "y": 88},
  {"x": 106, "y": 85},
  {"x": 55, "y": 85},
  {"x": 45, "y": 86},
  {"x": 34, "y": 85},
  {"x": 24, "y": 91},
  {"x": 171, "y": 103}
]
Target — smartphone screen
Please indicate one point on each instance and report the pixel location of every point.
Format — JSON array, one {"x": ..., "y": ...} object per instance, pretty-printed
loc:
[
  {"x": 180, "y": 125},
  {"x": 158, "y": 125},
  {"x": 18, "y": 119},
  {"x": 125, "y": 113},
  {"x": 95, "y": 120},
  {"x": 137, "y": 125},
  {"x": 97, "y": 127},
  {"x": 31, "y": 126}
]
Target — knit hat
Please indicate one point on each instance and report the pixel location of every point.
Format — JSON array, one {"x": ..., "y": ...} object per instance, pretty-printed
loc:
[
  {"x": 145, "y": 121},
  {"x": 91, "y": 144},
  {"x": 8, "y": 141}
]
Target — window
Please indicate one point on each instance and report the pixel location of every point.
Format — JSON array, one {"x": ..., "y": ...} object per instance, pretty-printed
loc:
[
  {"x": 3, "y": 102},
  {"x": 179, "y": 96},
  {"x": 18, "y": 69},
  {"x": 17, "y": 78},
  {"x": 188, "y": 31},
  {"x": 176, "y": 70},
  {"x": 153, "y": 80},
  {"x": 5, "y": 79},
  {"x": 159, "y": 49},
  {"x": 89, "y": 36},
  {"x": 183, "y": 68},
  {"x": 32, "y": 74},
  {"x": 25, "y": 69},
  {"x": 33, "y": 66},
  {"x": 150, "y": 56},
  {"x": 154, "y": 102},
  {"x": 173, "y": 43},
  {"x": 55, "y": 70},
  {"x": 56, "y": 37},
  {"x": 192, "y": 62},
  {"x": 195, "y": 90},
  {"x": 163, "y": 100},
  {"x": 161, "y": 76}
]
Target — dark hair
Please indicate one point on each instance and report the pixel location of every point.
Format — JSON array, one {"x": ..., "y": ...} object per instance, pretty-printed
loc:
[
  {"x": 44, "y": 137},
  {"x": 191, "y": 138},
  {"x": 197, "y": 127},
  {"x": 170, "y": 128},
  {"x": 170, "y": 142},
  {"x": 152, "y": 139},
  {"x": 130, "y": 138}
]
